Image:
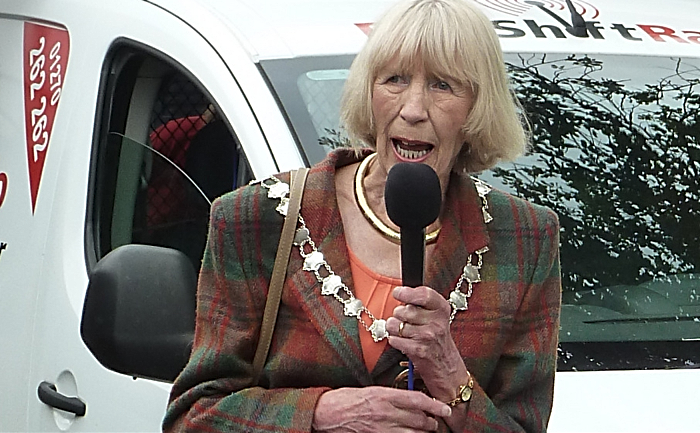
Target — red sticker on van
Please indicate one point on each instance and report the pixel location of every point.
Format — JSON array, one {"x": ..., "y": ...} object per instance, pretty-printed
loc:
[
  {"x": 46, "y": 51},
  {"x": 3, "y": 188},
  {"x": 365, "y": 27}
]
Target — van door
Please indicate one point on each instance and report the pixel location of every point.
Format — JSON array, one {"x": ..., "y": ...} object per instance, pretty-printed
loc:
[
  {"x": 21, "y": 237},
  {"x": 134, "y": 105}
]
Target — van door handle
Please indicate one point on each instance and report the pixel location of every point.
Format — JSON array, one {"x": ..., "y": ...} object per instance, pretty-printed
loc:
[{"x": 50, "y": 396}]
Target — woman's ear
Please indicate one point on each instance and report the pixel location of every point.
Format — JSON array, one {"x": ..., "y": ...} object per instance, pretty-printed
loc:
[
  {"x": 466, "y": 148},
  {"x": 463, "y": 157}
]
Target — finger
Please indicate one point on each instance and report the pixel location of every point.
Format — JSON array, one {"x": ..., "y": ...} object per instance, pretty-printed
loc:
[
  {"x": 414, "y": 400},
  {"x": 421, "y": 296},
  {"x": 418, "y": 347},
  {"x": 393, "y": 327},
  {"x": 415, "y": 419},
  {"x": 414, "y": 314},
  {"x": 419, "y": 421},
  {"x": 408, "y": 330},
  {"x": 403, "y": 345}
]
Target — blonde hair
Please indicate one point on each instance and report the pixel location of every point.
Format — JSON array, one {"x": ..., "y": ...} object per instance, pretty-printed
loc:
[{"x": 452, "y": 38}]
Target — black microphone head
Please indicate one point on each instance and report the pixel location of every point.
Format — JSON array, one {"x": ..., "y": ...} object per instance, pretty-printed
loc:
[{"x": 412, "y": 195}]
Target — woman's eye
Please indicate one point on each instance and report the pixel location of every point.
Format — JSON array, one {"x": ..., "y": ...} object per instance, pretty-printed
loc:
[
  {"x": 395, "y": 79},
  {"x": 442, "y": 85}
]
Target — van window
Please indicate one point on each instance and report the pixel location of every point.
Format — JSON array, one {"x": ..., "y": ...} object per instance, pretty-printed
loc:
[
  {"x": 616, "y": 153},
  {"x": 309, "y": 90},
  {"x": 163, "y": 153}
]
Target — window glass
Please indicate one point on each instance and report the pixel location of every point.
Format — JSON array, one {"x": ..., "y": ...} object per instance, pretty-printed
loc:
[
  {"x": 309, "y": 90},
  {"x": 321, "y": 91},
  {"x": 616, "y": 154},
  {"x": 164, "y": 155}
]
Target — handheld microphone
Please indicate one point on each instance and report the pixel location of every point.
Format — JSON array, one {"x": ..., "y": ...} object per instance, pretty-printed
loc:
[{"x": 413, "y": 198}]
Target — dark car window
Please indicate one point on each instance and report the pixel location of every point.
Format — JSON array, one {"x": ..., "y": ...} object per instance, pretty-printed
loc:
[{"x": 162, "y": 154}]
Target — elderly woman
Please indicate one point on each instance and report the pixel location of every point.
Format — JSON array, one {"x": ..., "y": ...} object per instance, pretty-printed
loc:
[{"x": 429, "y": 87}]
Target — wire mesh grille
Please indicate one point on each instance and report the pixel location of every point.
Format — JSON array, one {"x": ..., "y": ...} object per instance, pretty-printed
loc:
[
  {"x": 179, "y": 113},
  {"x": 169, "y": 210}
]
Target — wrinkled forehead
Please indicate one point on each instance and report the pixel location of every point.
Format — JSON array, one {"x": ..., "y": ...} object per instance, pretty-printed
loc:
[
  {"x": 435, "y": 64},
  {"x": 437, "y": 54}
]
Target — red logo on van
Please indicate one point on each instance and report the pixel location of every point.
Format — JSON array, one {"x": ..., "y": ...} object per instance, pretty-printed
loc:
[
  {"x": 3, "y": 188},
  {"x": 365, "y": 27},
  {"x": 46, "y": 51}
]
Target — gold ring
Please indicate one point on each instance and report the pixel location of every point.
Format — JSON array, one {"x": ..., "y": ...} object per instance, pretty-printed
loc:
[{"x": 401, "y": 329}]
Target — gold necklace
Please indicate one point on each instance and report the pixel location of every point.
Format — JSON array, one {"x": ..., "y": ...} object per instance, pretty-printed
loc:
[{"x": 373, "y": 219}]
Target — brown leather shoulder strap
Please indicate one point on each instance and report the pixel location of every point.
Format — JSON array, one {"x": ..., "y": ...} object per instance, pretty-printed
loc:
[{"x": 279, "y": 271}]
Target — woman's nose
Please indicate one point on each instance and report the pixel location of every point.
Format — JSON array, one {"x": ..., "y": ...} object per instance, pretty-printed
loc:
[{"x": 415, "y": 104}]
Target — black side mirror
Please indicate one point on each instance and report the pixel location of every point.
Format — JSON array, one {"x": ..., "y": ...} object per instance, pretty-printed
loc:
[{"x": 139, "y": 311}]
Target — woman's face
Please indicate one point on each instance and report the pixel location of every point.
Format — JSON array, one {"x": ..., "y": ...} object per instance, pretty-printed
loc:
[{"x": 418, "y": 118}]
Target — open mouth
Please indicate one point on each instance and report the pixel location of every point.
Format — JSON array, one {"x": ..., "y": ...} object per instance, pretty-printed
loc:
[{"x": 411, "y": 150}]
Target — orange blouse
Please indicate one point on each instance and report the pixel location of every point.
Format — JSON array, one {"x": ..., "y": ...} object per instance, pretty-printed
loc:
[{"x": 374, "y": 291}]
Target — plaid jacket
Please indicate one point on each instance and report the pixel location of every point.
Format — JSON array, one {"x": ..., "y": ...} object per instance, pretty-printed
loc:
[{"x": 508, "y": 337}]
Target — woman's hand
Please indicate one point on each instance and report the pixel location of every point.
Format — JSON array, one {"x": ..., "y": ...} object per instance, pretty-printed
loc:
[
  {"x": 426, "y": 339},
  {"x": 375, "y": 408}
]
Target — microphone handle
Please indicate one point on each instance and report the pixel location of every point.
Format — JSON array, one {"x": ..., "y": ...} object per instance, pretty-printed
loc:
[
  {"x": 412, "y": 264},
  {"x": 412, "y": 256}
]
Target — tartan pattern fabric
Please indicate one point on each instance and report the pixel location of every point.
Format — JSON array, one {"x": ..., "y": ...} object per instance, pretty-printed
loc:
[{"x": 508, "y": 337}]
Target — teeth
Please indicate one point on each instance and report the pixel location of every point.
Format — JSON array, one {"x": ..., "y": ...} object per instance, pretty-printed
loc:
[{"x": 411, "y": 154}]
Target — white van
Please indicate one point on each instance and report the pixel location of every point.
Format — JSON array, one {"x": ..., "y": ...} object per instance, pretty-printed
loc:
[{"x": 105, "y": 104}]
